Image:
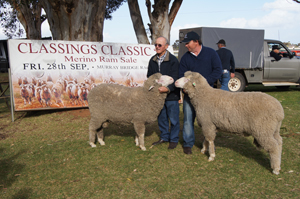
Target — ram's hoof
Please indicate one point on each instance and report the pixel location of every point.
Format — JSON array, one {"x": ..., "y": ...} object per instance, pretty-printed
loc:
[
  {"x": 143, "y": 148},
  {"x": 276, "y": 172},
  {"x": 101, "y": 142},
  {"x": 92, "y": 144},
  {"x": 211, "y": 159}
]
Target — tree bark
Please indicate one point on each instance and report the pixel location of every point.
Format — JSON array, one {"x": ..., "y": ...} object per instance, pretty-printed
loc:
[
  {"x": 137, "y": 22},
  {"x": 29, "y": 15},
  {"x": 75, "y": 20}
]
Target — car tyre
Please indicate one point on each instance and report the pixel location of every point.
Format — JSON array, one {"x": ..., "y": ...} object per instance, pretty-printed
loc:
[{"x": 237, "y": 84}]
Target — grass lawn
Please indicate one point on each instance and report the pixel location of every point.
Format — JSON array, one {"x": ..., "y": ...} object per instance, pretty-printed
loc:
[{"x": 45, "y": 154}]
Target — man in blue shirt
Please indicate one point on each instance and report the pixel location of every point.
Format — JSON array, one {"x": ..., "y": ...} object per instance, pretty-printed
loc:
[
  {"x": 275, "y": 53},
  {"x": 205, "y": 61},
  {"x": 228, "y": 64}
]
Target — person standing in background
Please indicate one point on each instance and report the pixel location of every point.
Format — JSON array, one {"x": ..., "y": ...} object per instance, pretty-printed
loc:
[{"x": 228, "y": 64}]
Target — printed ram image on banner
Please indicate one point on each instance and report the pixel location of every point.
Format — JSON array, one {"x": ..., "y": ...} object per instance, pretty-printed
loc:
[{"x": 47, "y": 74}]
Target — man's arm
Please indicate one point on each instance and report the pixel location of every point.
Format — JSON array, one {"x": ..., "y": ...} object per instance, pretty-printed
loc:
[{"x": 275, "y": 55}]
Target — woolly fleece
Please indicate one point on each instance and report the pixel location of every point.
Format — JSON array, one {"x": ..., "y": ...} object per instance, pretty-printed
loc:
[
  {"x": 244, "y": 113},
  {"x": 125, "y": 105}
]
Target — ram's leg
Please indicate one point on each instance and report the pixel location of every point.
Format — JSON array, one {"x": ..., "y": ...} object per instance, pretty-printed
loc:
[
  {"x": 136, "y": 141},
  {"x": 93, "y": 127},
  {"x": 209, "y": 133},
  {"x": 205, "y": 146},
  {"x": 278, "y": 138},
  {"x": 100, "y": 136},
  {"x": 100, "y": 133},
  {"x": 212, "y": 153},
  {"x": 271, "y": 145},
  {"x": 140, "y": 131}
]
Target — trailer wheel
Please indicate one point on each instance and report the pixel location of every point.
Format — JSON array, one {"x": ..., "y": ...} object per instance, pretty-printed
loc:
[{"x": 237, "y": 84}]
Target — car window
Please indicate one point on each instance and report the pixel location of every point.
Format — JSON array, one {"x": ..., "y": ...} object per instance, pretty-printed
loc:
[{"x": 282, "y": 49}]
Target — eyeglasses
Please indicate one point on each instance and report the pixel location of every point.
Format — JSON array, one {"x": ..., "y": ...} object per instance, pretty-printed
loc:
[{"x": 159, "y": 45}]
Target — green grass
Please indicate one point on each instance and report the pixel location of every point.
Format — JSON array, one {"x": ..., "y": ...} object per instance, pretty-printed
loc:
[{"x": 45, "y": 154}]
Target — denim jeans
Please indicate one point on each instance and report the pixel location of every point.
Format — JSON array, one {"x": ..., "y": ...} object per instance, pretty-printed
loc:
[
  {"x": 224, "y": 81},
  {"x": 170, "y": 112},
  {"x": 188, "y": 123}
]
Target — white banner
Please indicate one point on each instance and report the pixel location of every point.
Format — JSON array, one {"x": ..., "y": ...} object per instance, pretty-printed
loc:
[{"x": 48, "y": 74}]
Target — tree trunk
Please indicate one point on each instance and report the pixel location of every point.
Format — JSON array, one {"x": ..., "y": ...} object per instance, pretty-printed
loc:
[
  {"x": 75, "y": 20},
  {"x": 29, "y": 15},
  {"x": 137, "y": 22}
]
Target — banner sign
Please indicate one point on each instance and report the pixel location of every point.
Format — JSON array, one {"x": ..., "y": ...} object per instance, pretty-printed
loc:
[{"x": 47, "y": 74}]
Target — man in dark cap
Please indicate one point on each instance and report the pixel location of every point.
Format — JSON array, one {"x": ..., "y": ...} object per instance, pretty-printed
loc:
[
  {"x": 228, "y": 64},
  {"x": 275, "y": 52},
  {"x": 205, "y": 61}
]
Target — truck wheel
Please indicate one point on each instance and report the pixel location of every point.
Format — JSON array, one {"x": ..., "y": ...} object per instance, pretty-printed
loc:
[{"x": 237, "y": 84}]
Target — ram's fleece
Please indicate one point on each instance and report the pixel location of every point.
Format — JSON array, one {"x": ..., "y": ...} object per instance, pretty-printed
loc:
[
  {"x": 124, "y": 105},
  {"x": 245, "y": 113}
]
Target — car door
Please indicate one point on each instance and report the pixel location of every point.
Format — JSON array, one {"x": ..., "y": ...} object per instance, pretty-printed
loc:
[{"x": 286, "y": 69}]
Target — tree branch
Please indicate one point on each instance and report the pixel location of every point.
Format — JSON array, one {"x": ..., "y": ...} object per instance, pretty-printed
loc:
[
  {"x": 148, "y": 5},
  {"x": 174, "y": 10}
]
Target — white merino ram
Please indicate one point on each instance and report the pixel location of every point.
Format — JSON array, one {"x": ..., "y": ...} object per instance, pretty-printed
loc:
[
  {"x": 244, "y": 113},
  {"x": 124, "y": 105}
]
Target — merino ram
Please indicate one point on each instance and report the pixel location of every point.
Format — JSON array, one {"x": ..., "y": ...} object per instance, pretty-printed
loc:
[
  {"x": 245, "y": 113},
  {"x": 124, "y": 105}
]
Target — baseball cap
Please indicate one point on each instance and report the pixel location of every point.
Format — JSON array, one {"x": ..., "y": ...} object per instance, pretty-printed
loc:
[
  {"x": 222, "y": 41},
  {"x": 275, "y": 47},
  {"x": 190, "y": 36}
]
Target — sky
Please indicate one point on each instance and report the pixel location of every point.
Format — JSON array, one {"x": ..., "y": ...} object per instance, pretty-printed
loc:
[{"x": 279, "y": 18}]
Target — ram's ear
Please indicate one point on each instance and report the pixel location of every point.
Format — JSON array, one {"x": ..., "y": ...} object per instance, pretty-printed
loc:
[{"x": 150, "y": 88}]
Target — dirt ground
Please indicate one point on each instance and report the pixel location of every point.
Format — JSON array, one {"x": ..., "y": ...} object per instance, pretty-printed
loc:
[{"x": 78, "y": 112}]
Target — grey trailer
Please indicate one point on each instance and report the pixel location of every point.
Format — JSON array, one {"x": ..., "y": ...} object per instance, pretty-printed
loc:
[{"x": 245, "y": 44}]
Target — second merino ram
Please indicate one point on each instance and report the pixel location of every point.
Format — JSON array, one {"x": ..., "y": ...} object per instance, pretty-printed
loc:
[
  {"x": 124, "y": 105},
  {"x": 245, "y": 113}
]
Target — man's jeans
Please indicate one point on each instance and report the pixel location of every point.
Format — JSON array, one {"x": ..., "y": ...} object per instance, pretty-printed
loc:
[
  {"x": 188, "y": 123},
  {"x": 224, "y": 81},
  {"x": 170, "y": 112}
]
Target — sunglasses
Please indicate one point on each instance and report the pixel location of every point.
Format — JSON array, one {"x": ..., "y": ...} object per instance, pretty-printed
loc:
[{"x": 159, "y": 45}]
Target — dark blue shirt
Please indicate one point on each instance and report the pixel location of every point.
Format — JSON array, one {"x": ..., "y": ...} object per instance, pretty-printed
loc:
[
  {"x": 207, "y": 63},
  {"x": 227, "y": 59}
]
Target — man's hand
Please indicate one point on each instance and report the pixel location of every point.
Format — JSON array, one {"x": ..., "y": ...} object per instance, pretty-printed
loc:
[{"x": 163, "y": 89}]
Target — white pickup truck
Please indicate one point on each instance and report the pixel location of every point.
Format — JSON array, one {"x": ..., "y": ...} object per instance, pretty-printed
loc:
[{"x": 253, "y": 63}]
